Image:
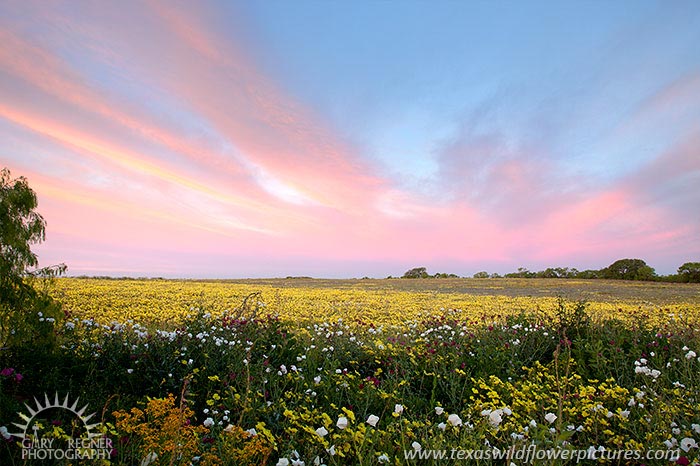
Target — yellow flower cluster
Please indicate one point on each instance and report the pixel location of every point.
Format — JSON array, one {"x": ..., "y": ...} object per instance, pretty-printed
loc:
[
  {"x": 162, "y": 430},
  {"x": 169, "y": 301}
]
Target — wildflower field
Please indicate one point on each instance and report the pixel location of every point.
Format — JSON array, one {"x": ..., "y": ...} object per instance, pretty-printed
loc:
[{"x": 292, "y": 372}]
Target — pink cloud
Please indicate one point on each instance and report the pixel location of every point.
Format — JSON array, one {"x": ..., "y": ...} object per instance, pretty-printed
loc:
[
  {"x": 41, "y": 69},
  {"x": 271, "y": 129}
]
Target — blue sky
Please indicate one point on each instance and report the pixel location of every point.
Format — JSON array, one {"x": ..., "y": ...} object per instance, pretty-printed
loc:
[{"x": 404, "y": 77}]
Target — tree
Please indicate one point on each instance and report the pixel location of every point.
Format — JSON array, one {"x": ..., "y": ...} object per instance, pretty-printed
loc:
[
  {"x": 417, "y": 272},
  {"x": 521, "y": 273},
  {"x": 481, "y": 275},
  {"x": 20, "y": 301},
  {"x": 589, "y": 274},
  {"x": 557, "y": 272},
  {"x": 629, "y": 269},
  {"x": 548, "y": 273},
  {"x": 689, "y": 272},
  {"x": 445, "y": 275},
  {"x": 645, "y": 273},
  {"x": 20, "y": 227}
]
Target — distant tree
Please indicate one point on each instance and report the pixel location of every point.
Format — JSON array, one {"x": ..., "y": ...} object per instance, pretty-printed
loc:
[
  {"x": 689, "y": 272},
  {"x": 645, "y": 273},
  {"x": 629, "y": 269},
  {"x": 495, "y": 275},
  {"x": 589, "y": 274},
  {"x": 417, "y": 272},
  {"x": 481, "y": 275},
  {"x": 548, "y": 273},
  {"x": 521, "y": 273},
  {"x": 558, "y": 272},
  {"x": 445, "y": 275}
]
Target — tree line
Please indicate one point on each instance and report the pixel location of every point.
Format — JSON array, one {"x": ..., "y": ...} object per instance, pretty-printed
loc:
[{"x": 622, "y": 269}]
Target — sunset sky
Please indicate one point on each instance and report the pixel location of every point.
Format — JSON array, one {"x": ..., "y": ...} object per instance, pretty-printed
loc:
[{"x": 344, "y": 139}]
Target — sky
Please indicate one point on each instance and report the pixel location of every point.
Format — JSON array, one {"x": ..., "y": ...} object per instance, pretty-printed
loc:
[{"x": 347, "y": 139}]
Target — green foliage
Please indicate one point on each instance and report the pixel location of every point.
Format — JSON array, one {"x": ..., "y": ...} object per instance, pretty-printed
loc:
[
  {"x": 417, "y": 272},
  {"x": 521, "y": 273},
  {"x": 589, "y": 274},
  {"x": 558, "y": 272},
  {"x": 623, "y": 269},
  {"x": 421, "y": 272},
  {"x": 27, "y": 312},
  {"x": 689, "y": 272},
  {"x": 572, "y": 322},
  {"x": 629, "y": 269},
  {"x": 445, "y": 275},
  {"x": 20, "y": 227}
]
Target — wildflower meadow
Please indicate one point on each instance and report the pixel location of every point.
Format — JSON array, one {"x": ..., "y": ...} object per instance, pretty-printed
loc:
[
  {"x": 349, "y": 232},
  {"x": 357, "y": 372}
]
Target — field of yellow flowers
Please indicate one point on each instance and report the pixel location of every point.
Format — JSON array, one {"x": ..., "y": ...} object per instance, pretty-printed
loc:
[
  {"x": 385, "y": 302},
  {"x": 312, "y": 372}
]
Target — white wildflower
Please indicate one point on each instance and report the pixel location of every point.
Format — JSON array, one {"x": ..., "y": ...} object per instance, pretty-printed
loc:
[{"x": 150, "y": 458}]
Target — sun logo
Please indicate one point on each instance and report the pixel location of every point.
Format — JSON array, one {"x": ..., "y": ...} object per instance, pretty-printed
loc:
[{"x": 55, "y": 404}]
